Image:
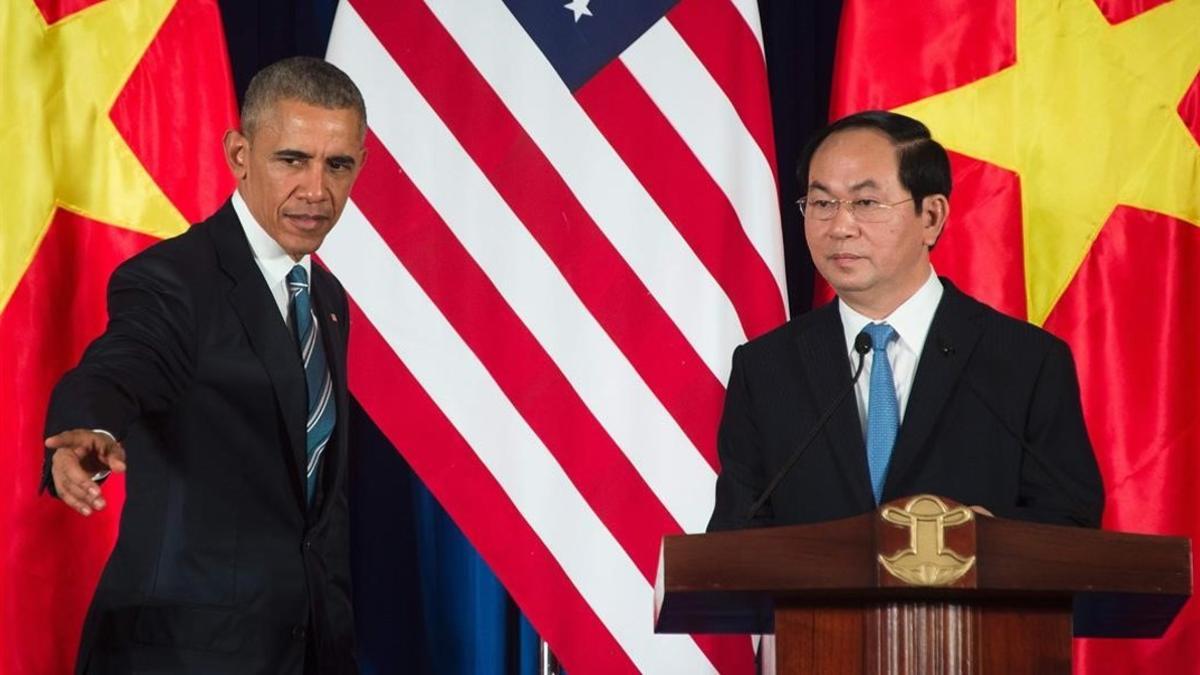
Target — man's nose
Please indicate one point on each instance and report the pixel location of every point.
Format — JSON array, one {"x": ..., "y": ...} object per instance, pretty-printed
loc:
[
  {"x": 312, "y": 182},
  {"x": 843, "y": 224}
]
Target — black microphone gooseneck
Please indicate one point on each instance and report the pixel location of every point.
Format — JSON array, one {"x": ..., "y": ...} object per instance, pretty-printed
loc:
[
  {"x": 862, "y": 345},
  {"x": 1069, "y": 488}
]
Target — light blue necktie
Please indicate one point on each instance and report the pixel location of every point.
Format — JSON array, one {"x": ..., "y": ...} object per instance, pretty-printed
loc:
[
  {"x": 322, "y": 411},
  {"x": 883, "y": 410}
]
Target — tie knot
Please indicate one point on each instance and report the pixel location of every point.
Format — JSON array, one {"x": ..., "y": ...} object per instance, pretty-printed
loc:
[
  {"x": 297, "y": 277},
  {"x": 881, "y": 334}
]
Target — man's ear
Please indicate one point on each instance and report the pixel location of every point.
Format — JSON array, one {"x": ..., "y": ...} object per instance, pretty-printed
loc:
[
  {"x": 237, "y": 151},
  {"x": 934, "y": 212}
]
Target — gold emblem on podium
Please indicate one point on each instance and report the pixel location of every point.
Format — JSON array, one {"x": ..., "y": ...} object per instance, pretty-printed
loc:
[{"x": 927, "y": 561}]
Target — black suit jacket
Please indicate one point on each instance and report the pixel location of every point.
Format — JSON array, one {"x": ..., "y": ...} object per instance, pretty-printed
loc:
[
  {"x": 220, "y": 566},
  {"x": 984, "y": 384}
]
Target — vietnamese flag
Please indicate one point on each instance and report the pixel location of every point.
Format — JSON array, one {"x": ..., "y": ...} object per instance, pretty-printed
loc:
[
  {"x": 111, "y": 115},
  {"x": 1074, "y": 131}
]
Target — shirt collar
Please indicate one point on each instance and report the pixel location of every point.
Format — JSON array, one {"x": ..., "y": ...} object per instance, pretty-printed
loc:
[
  {"x": 911, "y": 319},
  {"x": 274, "y": 262}
]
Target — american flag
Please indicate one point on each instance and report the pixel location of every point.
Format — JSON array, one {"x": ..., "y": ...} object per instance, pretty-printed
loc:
[{"x": 567, "y": 220}]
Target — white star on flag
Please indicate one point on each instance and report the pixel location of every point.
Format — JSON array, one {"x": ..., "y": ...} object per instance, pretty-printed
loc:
[{"x": 579, "y": 7}]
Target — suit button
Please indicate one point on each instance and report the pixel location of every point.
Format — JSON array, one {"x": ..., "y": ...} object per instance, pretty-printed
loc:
[
  {"x": 299, "y": 633},
  {"x": 307, "y": 544}
]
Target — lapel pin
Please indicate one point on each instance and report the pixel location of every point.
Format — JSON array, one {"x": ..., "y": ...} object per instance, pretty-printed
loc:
[
  {"x": 945, "y": 346},
  {"x": 333, "y": 317}
]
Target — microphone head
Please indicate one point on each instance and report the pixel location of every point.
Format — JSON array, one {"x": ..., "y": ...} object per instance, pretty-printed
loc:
[{"x": 862, "y": 343}]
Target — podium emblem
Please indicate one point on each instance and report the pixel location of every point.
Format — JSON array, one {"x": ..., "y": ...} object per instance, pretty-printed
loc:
[{"x": 927, "y": 561}]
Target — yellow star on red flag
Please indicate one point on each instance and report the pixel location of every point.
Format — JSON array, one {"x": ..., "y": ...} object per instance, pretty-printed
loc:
[
  {"x": 1087, "y": 117},
  {"x": 60, "y": 82}
]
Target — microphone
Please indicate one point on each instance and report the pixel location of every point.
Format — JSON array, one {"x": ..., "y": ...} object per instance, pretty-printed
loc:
[
  {"x": 862, "y": 345},
  {"x": 1068, "y": 487}
]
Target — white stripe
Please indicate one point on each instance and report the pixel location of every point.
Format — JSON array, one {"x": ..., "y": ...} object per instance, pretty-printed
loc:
[
  {"x": 529, "y": 281},
  {"x": 464, "y": 391},
  {"x": 326, "y": 394},
  {"x": 311, "y": 340},
  {"x": 510, "y": 61},
  {"x": 316, "y": 456},
  {"x": 686, "y": 93}
]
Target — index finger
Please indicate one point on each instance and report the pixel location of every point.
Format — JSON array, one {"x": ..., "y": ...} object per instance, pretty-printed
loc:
[
  {"x": 114, "y": 457},
  {"x": 70, "y": 438}
]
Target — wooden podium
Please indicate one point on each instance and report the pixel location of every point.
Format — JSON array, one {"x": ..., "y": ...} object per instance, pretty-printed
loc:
[{"x": 922, "y": 586}]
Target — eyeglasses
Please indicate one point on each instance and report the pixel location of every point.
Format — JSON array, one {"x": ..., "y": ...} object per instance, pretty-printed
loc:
[{"x": 863, "y": 210}]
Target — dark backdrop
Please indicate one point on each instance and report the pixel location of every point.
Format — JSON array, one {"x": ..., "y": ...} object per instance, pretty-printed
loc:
[{"x": 425, "y": 601}]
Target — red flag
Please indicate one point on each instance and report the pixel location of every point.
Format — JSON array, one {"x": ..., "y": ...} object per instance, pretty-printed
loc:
[
  {"x": 1074, "y": 131},
  {"x": 115, "y": 111}
]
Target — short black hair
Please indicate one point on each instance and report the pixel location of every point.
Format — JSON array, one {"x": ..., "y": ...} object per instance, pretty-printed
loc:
[
  {"x": 924, "y": 165},
  {"x": 301, "y": 78}
]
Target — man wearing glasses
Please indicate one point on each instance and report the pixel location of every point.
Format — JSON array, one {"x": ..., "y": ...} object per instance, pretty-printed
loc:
[{"x": 953, "y": 398}]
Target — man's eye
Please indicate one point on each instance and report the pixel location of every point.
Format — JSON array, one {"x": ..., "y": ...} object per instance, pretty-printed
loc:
[
  {"x": 821, "y": 203},
  {"x": 867, "y": 203}
]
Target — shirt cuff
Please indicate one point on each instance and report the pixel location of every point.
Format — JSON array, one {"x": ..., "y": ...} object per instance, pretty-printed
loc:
[{"x": 102, "y": 474}]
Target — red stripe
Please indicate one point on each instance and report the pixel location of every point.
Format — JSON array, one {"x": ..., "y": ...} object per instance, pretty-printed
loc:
[
  {"x": 478, "y": 504},
  {"x": 533, "y": 189},
  {"x": 684, "y": 190},
  {"x": 511, "y": 354},
  {"x": 728, "y": 48}
]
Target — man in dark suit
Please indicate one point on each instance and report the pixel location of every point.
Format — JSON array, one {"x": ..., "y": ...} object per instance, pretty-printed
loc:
[
  {"x": 954, "y": 398},
  {"x": 220, "y": 381}
]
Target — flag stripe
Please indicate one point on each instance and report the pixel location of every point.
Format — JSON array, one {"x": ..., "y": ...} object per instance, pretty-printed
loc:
[
  {"x": 465, "y": 488},
  {"x": 748, "y": 10},
  {"x": 529, "y": 378},
  {"x": 532, "y": 286},
  {"x": 698, "y": 109},
  {"x": 649, "y": 243},
  {"x": 662, "y": 356},
  {"x": 731, "y": 49},
  {"x": 465, "y": 393},
  {"x": 670, "y": 171}
]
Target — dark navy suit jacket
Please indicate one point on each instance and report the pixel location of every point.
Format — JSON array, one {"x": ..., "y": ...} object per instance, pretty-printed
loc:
[
  {"x": 220, "y": 565},
  {"x": 984, "y": 383}
]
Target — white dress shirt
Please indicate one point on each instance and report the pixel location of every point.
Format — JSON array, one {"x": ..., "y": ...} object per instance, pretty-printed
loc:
[
  {"x": 272, "y": 260},
  {"x": 911, "y": 321}
]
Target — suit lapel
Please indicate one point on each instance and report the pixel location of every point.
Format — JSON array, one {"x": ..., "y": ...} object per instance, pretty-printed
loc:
[
  {"x": 269, "y": 337},
  {"x": 951, "y": 339},
  {"x": 827, "y": 366}
]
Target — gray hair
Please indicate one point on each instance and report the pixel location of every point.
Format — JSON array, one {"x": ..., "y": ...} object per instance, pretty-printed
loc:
[{"x": 305, "y": 79}]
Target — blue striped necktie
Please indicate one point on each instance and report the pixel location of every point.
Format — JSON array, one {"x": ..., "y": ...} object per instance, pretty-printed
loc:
[
  {"x": 883, "y": 410},
  {"x": 322, "y": 411}
]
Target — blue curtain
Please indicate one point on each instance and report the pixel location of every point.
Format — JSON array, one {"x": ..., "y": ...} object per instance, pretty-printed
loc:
[{"x": 424, "y": 599}]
